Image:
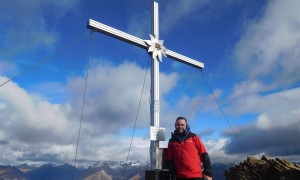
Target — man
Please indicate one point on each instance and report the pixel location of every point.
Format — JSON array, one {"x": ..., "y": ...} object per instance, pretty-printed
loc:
[{"x": 186, "y": 152}]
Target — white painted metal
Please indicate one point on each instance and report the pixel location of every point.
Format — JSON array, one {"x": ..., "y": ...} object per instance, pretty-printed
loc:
[
  {"x": 184, "y": 59},
  {"x": 97, "y": 26},
  {"x": 156, "y": 47},
  {"x": 157, "y": 134},
  {"x": 154, "y": 110}
]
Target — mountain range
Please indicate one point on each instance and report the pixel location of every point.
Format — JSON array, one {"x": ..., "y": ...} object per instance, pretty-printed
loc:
[{"x": 104, "y": 170}]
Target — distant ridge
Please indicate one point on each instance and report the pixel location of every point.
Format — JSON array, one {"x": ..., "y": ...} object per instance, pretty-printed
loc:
[
  {"x": 11, "y": 172},
  {"x": 105, "y": 170}
]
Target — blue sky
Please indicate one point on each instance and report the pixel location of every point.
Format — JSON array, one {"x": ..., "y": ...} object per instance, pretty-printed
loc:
[{"x": 251, "y": 54}]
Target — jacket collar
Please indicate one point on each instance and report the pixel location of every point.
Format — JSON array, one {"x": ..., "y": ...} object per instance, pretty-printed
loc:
[{"x": 183, "y": 135}]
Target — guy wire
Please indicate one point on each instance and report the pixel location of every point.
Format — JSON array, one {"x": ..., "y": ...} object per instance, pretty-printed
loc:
[
  {"x": 220, "y": 107},
  {"x": 44, "y": 60},
  {"x": 149, "y": 6},
  {"x": 83, "y": 100},
  {"x": 136, "y": 117}
]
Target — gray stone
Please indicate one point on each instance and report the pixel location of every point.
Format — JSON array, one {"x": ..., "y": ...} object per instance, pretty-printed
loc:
[{"x": 264, "y": 169}]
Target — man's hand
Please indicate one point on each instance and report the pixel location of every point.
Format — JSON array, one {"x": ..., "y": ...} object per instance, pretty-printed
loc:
[{"x": 207, "y": 177}]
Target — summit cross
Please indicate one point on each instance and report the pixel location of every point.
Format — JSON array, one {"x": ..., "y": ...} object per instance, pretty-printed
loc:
[{"x": 156, "y": 48}]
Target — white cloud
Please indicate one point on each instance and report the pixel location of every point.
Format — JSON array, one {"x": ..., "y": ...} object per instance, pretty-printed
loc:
[
  {"x": 189, "y": 105},
  {"x": 217, "y": 154},
  {"x": 54, "y": 92},
  {"x": 113, "y": 95},
  {"x": 33, "y": 130},
  {"x": 274, "y": 103},
  {"x": 270, "y": 48},
  {"x": 28, "y": 121},
  {"x": 274, "y": 131},
  {"x": 263, "y": 121},
  {"x": 113, "y": 147},
  {"x": 268, "y": 55},
  {"x": 247, "y": 88},
  {"x": 36, "y": 130}
]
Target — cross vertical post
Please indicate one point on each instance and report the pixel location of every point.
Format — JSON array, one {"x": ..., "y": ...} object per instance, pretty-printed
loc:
[{"x": 155, "y": 105}]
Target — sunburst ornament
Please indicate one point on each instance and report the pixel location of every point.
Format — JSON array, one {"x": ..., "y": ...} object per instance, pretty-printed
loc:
[{"x": 157, "y": 48}]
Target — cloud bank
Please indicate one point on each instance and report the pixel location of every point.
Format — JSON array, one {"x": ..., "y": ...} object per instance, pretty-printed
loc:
[
  {"x": 268, "y": 56},
  {"x": 34, "y": 130}
]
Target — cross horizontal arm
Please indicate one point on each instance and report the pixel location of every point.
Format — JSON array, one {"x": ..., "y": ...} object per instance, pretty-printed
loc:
[
  {"x": 97, "y": 26},
  {"x": 184, "y": 59}
]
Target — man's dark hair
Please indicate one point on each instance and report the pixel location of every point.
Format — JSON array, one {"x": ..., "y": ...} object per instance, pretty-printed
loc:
[{"x": 180, "y": 117}]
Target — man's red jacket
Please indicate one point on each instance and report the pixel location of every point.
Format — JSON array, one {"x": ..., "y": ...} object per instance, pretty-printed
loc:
[{"x": 186, "y": 154}]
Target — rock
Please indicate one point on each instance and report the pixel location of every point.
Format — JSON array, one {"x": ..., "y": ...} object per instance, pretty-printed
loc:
[{"x": 264, "y": 168}]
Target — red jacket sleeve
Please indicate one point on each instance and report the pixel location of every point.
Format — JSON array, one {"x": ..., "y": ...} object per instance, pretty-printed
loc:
[{"x": 200, "y": 146}]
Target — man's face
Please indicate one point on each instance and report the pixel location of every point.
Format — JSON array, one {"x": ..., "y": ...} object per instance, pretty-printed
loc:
[{"x": 180, "y": 126}]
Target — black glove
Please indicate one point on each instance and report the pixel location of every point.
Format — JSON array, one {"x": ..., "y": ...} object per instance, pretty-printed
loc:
[{"x": 171, "y": 168}]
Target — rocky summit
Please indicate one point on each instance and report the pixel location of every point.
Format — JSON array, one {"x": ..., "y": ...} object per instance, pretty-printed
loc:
[{"x": 264, "y": 169}]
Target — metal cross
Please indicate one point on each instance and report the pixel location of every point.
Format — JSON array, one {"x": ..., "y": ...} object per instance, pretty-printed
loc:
[{"x": 154, "y": 46}]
